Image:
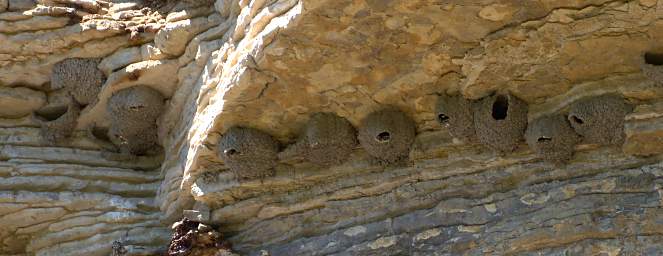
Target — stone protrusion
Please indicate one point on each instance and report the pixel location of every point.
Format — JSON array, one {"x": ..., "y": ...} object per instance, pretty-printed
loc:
[
  {"x": 652, "y": 67},
  {"x": 455, "y": 112},
  {"x": 249, "y": 153},
  {"x": 500, "y": 121},
  {"x": 387, "y": 135},
  {"x": 552, "y": 138},
  {"x": 328, "y": 140},
  {"x": 80, "y": 77},
  {"x": 133, "y": 114},
  {"x": 600, "y": 119},
  {"x": 58, "y": 122}
]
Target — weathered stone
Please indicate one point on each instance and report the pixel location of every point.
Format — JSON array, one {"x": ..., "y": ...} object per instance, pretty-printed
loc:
[
  {"x": 21, "y": 5},
  {"x": 271, "y": 65},
  {"x": 4, "y": 4},
  {"x": 18, "y": 102}
]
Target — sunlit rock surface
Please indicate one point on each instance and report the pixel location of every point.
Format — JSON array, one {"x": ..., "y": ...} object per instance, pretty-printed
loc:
[{"x": 270, "y": 65}]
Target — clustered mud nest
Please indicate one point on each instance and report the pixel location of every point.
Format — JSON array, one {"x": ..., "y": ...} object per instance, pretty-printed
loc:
[
  {"x": 328, "y": 140},
  {"x": 249, "y": 153},
  {"x": 500, "y": 121},
  {"x": 552, "y": 138},
  {"x": 387, "y": 135},
  {"x": 600, "y": 119},
  {"x": 455, "y": 112},
  {"x": 133, "y": 114},
  {"x": 80, "y": 77}
]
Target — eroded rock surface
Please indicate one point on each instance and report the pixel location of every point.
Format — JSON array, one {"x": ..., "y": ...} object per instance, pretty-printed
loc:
[{"x": 271, "y": 65}]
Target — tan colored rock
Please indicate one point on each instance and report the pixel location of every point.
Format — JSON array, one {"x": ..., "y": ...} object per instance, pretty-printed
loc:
[
  {"x": 18, "y": 102},
  {"x": 172, "y": 39},
  {"x": 3, "y": 5}
]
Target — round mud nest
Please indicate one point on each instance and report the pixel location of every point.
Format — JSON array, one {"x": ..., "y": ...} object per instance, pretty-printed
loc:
[
  {"x": 387, "y": 135},
  {"x": 552, "y": 138},
  {"x": 249, "y": 153},
  {"x": 328, "y": 140},
  {"x": 134, "y": 137},
  {"x": 58, "y": 123},
  {"x": 136, "y": 103},
  {"x": 500, "y": 122},
  {"x": 652, "y": 67},
  {"x": 80, "y": 77},
  {"x": 600, "y": 119},
  {"x": 133, "y": 113},
  {"x": 455, "y": 112}
]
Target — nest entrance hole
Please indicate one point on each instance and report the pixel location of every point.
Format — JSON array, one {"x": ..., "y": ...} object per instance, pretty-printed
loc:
[
  {"x": 230, "y": 152},
  {"x": 500, "y": 107},
  {"x": 577, "y": 120},
  {"x": 655, "y": 59},
  {"x": 442, "y": 118},
  {"x": 544, "y": 139},
  {"x": 383, "y": 137}
]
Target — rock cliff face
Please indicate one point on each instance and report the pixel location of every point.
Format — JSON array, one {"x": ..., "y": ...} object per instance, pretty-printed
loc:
[{"x": 114, "y": 120}]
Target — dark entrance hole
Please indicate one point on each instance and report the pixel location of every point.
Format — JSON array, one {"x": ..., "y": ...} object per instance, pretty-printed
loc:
[
  {"x": 383, "y": 137},
  {"x": 230, "y": 152},
  {"x": 500, "y": 107},
  {"x": 544, "y": 139},
  {"x": 655, "y": 59},
  {"x": 442, "y": 118},
  {"x": 577, "y": 120}
]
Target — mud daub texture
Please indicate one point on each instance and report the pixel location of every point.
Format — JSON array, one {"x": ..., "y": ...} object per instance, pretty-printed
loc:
[
  {"x": 136, "y": 103},
  {"x": 600, "y": 119},
  {"x": 455, "y": 112},
  {"x": 500, "y": 121},
  {"x": 552, "y": 138},
  {"x": 652, "y": 67},
  {"x": 80, "y": 77},
  {"x": 59, "y": 123},
  {"x": 328, "y": 140},
  {"x": 387, "y": 135},
  {"x": 133, "y": 114},
  {"x": 248, "y": 152}
]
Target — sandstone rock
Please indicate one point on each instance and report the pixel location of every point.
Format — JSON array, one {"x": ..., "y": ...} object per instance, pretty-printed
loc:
[
  {"x": 4, "y": 4},
  {"x": 18, "y": 102},
  {"x": 21, "y": 5},
  {"x": 271, "y": 65},
  {"x": 172, "y": 39}
]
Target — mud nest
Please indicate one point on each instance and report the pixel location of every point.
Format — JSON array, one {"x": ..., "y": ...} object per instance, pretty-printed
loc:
[
  {"x": 600, "y": 119},
  {"x": 328, "y": 140},
  {"x": 80, "y": 77},
  {"x": 249, "y": 153},
  {"x": 133, "y": 113},
  {"x": 652, "y": 67},
  {"x": 455, "y": 112},
  {"x": 500, "y": 122},
  {"x": 58, "y": 123},
  {"x": 193, "y": 238},
  {"x": 387, "y": 135},
  {"x": 552, "y": 138},
  {"x": 136, "y": 103}
]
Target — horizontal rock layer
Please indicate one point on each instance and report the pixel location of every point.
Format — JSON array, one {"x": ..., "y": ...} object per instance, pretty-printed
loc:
[{"x": 270, "y": 65}]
